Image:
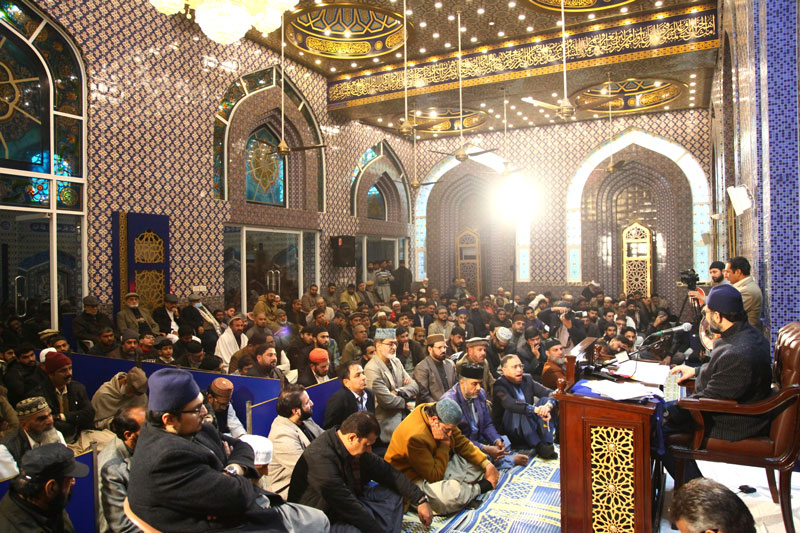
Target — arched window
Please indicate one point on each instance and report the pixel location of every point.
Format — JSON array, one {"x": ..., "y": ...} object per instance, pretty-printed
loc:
[
  {"x": 265, "y": 171},
  {"x": 376, "y": 204}
]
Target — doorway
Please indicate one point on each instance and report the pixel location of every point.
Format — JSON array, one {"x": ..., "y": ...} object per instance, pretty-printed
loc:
[{"x": 468, "y": 260}]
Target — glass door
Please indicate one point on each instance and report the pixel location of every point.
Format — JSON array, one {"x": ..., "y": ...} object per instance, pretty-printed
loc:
[
  {"x": 272, "y": 264},
  {"x": 25, "y": 243}
]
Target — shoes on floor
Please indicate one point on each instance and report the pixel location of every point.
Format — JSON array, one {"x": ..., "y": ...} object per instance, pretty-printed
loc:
[{"x": 545, "y": 450}]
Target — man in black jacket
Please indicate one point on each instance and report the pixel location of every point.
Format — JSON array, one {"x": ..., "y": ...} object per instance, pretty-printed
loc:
[
  {"x": 531, "y": 354},
  {"x": 23, "y": 374},
  {"x": 523, "y": 409},
  {"x": 739, "y": 369},
  {"x": 88, "y": 325},
  {"x": 333, "y": 472},
  {"x": 37, "y": 497},
  {"x": 71, "y": 407},
  {"x": 191, "y": 479},
  {"x": 195, "y": 358},
  {"x": 166, "y": 316},
  {"x": 354, "y": 396}
]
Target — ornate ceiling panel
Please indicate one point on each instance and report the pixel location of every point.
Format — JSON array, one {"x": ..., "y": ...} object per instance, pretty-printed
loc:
[
  {"x": 579, "y": 6},
  {"x": 634, "y": 95}
]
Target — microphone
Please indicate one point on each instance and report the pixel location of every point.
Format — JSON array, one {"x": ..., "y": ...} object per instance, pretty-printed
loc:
[{"x": 686, "y": 326}]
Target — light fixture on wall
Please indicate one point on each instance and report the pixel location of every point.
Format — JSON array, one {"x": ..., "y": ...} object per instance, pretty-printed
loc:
[
  {"x": 740, "y": 199},
  {"x": 227, "y": 21}
]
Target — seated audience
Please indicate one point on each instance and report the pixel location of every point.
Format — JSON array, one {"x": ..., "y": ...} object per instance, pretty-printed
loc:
[
  {"x": 554, "y": 368},
  {"x": 369, "y": 353},
  {"x": 250, "y": 350},
  {"x": 430, "y": 450},
  {"x": 125, "y": 389},
  {"x": 90, "y": 323},
  {"x": 167, "y": 317},
  {"x": 35, "y": 429},
  {"x": 354, "y": 348},
  {"x": 476, "y": 354},
  {"x": 231, "y": 341},
  {"x": 23, "y": 374},
  {"x": 476, "y": 423},
  {"x": 266, "y": 363},
  {"x": 333, "y": 475},
  {"x": 436, "y": 374},
  {"x": 114, "y": 465},
  {"x": 354, "y": 396},
  {"x": 409, "y": 351},
  {"x": 139, "y": 319},
  {"x": 262, "y": 457},
  {"x": 703, "y": 505},
  {"x": 201, "y": 322},
  {"x": 221, "y": 414},
  {"x": 185, "y": 336},
  {"x": 499, "y": 346},
  {"x": 291, "y": 433},
  {"x": 259, "y": 326},
  {"x": 37, "y": 497},
  {"x": 129, "y": 349},
  {"x": 60, "y": 344},
  {"x": 441, "y": 325},
  {"x": 244, "y": 364},
  {"x": 147, "y": 343},
  {"x": 164, "y": 350},
  {"x": 455, "y": 344},
  {"x": 9, "y": 421},
  {"x": 523, "y": 409},
  {"x": 193, "y": 479},
  {"x": 195, "y": 358},
  {"x": 68, "y": 401},
  {"x": 318, "y": 370},
  {"x": 107, "y": 343},
  {"x": 394, "y": 389}
]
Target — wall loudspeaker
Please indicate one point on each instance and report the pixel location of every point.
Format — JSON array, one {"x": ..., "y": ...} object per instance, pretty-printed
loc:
[
  {"x": 344, "y": 250},
  {"x": 740, "y": 199}
]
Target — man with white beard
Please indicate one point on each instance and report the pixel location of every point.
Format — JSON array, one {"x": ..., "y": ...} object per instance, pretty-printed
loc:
[
  {"x": 35, "y": 429},
  {"x": 139, "y": 319},
  {"x": 395, "y": 391}
]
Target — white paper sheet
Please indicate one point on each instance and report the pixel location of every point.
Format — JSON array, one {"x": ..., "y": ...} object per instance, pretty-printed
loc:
[{"x": 646, "y": 372}]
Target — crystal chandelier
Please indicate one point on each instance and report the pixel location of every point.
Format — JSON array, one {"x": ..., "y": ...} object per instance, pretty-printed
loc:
[{"x": 227, "y": 21}]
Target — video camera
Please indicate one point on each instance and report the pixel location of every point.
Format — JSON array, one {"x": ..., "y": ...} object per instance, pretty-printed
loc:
[{"x": 690, "y": 278}]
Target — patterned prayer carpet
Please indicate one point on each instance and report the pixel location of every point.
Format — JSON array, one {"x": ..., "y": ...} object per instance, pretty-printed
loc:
[{"x": 527, "y": 499}]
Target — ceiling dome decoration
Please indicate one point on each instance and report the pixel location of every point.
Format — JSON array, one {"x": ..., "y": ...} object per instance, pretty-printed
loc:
[
  {"x": 346, "y": 31},
  {"x": 448, "y": 120},
  {"x": 634, "y": 95},
  {"x": 578, "y": 6}
]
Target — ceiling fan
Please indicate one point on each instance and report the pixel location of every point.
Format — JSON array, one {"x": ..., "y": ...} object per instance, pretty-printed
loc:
[
  {"x": 284, "y": 149},
  {"x": 565, "y": 110},
  {"x": 461, "y": 154}
]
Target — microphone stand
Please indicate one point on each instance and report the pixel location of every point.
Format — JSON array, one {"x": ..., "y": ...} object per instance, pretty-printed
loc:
[{"x": 593, "y": 370}]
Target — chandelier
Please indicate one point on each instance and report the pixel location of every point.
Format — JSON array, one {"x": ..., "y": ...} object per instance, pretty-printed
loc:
[{"x": 227, "y": 21}]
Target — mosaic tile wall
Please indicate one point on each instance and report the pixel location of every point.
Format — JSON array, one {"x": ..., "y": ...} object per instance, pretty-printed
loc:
[
  {"x": 556, "y": 152},
  {"x": 761, "y": 106},
  {"x": 150, "y": 147}
]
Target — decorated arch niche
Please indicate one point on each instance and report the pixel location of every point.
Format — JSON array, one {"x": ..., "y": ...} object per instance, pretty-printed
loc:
[
  {"x": 689, "y": 166},
  {"x": 378, "y": 179},
  {"x": 299, "y": 116}
]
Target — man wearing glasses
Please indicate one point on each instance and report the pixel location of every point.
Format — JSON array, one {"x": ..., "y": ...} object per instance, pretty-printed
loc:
[
  {"x": 395, "y": 391},
  {"x": 193, "y": 479}
]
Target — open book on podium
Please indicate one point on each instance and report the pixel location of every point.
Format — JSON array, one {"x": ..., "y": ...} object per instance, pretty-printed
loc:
[{"x": 643, "y": 371}]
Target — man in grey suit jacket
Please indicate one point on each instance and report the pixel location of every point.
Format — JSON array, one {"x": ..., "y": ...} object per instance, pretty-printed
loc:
[
  {"x": 291, "y": 433},
  {"x": 436, "y": 374},
  {"x": 395, "y": 391}
]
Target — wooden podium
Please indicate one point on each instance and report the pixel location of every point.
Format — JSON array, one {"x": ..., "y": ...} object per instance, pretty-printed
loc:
[{"x": 608, "y": 480}]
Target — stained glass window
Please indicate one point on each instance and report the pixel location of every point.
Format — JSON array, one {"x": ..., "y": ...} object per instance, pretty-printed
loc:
[
  {"x": 265, "y": 171},
  {"x": 25, "y": 192},
  {"x": 69, "y": 195},
  {"x": 376, "y": 205}
]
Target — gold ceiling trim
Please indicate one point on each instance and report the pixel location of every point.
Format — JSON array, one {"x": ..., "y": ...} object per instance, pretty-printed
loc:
[
  {"x": 571, "y": 33},
  {"x": 579, "y": 6},
  {"x": 446, "y": 120},
  {"x": 647, "y": 94},
  {"x": 345, "y": 35},
  {"x": 519, "y": 63}
]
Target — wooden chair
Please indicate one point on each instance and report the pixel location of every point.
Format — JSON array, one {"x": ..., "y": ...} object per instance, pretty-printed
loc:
[
  {"x": 777, "y": 451},
  {"x": 138, "y": 522}
]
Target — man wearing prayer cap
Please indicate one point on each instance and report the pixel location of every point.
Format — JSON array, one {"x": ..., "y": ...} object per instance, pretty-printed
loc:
[
  {"x": 476, "y": 422},
  {"x": 125, "y": 389},
  {"x": 262, "y": 451},
  {"x": 35, "y": 429},
  {"x": 476, "y": 354},
  {"x": 67, "y": 398},
  {"x": 220, "y": 410},
  {"x": 738, "y": 369},
  {"x": 37, "y": 497},
  {"x": 395, "y": 391},
  {"x": 139, "y": 319},
  {"x": 318, "y": 369},
  {"x": 436, "y": 373},
  {"x": 214, "y": 490},
  {"x": 432, "y": 452}
]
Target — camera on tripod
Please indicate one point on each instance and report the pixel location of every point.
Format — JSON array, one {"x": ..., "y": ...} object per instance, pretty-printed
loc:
[{"x": 690, "y": 278}]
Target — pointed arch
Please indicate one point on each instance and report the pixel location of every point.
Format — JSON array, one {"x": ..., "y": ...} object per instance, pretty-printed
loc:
[
  {"x": 381, "y": 153},
  {"x": 691, "y": 168}
]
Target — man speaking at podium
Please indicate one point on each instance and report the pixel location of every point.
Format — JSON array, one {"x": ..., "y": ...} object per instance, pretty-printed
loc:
[{"x": 738, "y": 369}]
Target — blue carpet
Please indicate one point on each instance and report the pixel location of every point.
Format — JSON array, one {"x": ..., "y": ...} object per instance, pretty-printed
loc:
[{"x": 527, "y": 499}]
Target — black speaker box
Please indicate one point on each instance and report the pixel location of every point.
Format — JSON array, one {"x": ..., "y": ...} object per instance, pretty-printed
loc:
[{"x": 344, "y": 250}]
